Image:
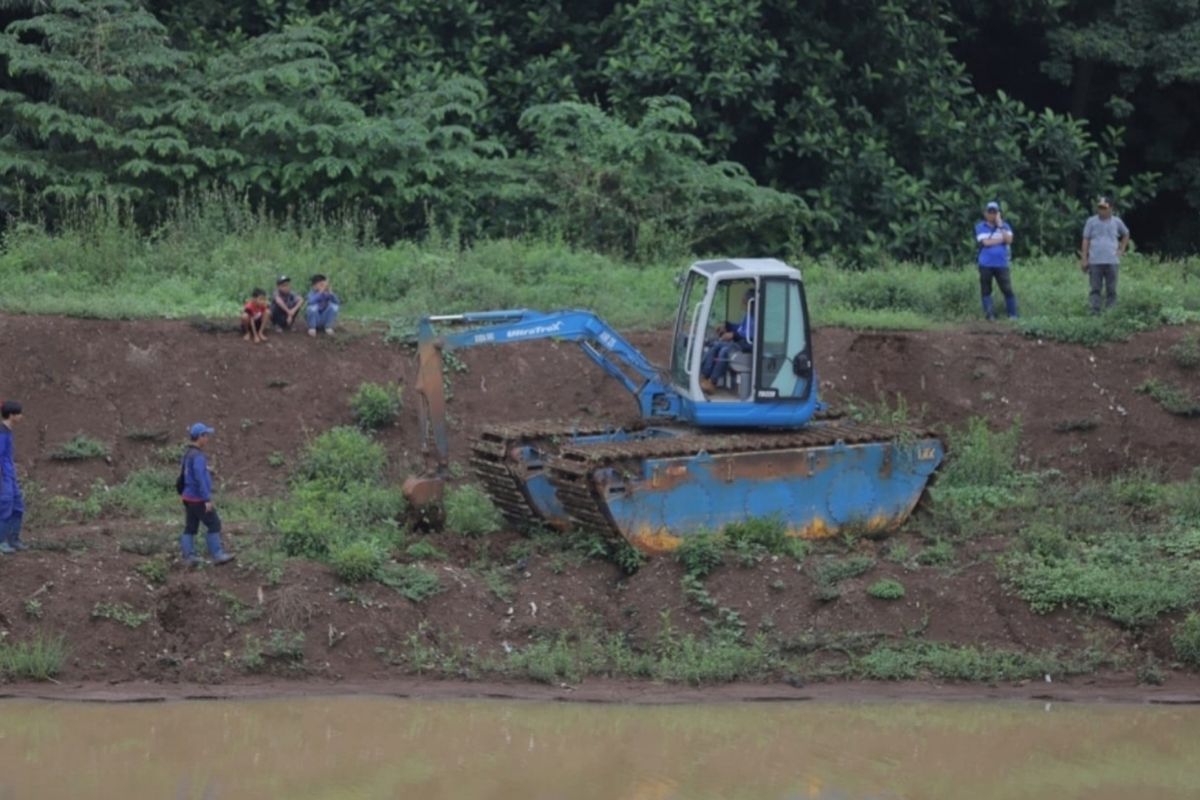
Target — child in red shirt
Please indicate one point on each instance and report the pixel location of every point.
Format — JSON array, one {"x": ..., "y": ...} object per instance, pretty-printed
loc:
[{"x": 254, "y": 317}]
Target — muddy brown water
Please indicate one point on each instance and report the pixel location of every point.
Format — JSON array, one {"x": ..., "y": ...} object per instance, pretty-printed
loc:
[{"x": 360, "y": 747}]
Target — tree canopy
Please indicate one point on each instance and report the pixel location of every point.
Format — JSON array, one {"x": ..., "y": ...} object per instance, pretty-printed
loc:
[{"x": 868, "y": 130}]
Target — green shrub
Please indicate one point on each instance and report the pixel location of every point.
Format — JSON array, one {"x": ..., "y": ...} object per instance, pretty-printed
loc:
[
  {"x": 413, "y": 582},
  {"x": 886, "y": 589},
  {"x": 626, "y": 556},
  {"x": 716, "y": 659},
  {"x": 423, "y": 550},
  {"x": 980, "y": 457},
  {"x": 376, "y": 405},
  {"x": 769, "y": 532},
  {"x": 1186, "y": 352},
  {"x": 38, "y": 660},
  {"x": 153, "y": 570},
  {"x": 80, "y": 448},
  {"x": 938, "y": 554},
  {"x": 357, "y": 561},
  {"x": 1140, "y": 489},
  {"x": 470, "y": 511},
  {"x": 831, "y": 572},
  {"x": 1045, "y": 540},
  {"x": 1131, "y": 578},
  {"x": 317, "y": 515},
  {"x": 284, "y": 648},
  {"x": 958, "y": 663},
  {"x": 701, "y": 553},
  {"x": 1186, "y": 640},
  {"x": 342, "y": 457},
  {"x": 1171, "y": 397},
  {"x": 122, "y": 613}
]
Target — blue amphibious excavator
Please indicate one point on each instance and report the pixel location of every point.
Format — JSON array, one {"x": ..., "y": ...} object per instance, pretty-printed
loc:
[{"x": 758, "y": 445}]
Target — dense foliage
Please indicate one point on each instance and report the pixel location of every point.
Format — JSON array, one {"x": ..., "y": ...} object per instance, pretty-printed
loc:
[{"x": 871, "y": 130}]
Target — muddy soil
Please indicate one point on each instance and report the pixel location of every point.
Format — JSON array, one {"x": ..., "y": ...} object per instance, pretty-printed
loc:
[{"x": 137, "y": 385}]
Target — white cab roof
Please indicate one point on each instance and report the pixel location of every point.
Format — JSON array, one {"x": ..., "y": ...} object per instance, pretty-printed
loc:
[{"x": 746, "y": 268}]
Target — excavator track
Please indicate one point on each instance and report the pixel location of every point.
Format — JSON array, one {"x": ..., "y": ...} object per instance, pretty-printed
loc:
[
  {"x": 503, "y": 475},
  {"x": 572, "y": 468}
]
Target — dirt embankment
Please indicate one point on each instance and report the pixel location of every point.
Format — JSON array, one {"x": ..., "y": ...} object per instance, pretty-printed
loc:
[{"x": 127, "y": 383}]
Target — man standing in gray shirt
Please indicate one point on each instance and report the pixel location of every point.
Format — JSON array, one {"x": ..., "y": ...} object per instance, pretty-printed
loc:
[{"x": 1105, "y": 240}]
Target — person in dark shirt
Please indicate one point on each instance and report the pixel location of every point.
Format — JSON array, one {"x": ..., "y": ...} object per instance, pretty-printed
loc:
[{"x": 285, "y": 304}]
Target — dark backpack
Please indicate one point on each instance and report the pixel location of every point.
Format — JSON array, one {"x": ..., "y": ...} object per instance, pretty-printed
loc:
[{"x": 180, "y": 482}]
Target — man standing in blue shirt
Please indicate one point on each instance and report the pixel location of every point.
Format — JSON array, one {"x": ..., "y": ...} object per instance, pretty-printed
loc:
[
  {"x": 195, "y": 490},
  {"x": 12, "y": 504},
  {"x": 993, "y": 236},
  {"x": 1105, "y": 240}
]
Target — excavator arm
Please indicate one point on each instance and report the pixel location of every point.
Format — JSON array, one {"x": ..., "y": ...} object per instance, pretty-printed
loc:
[{"x": 596, "y": 338}]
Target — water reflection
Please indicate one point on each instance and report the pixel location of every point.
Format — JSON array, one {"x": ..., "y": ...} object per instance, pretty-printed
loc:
[{"x": 384, "y": 748}]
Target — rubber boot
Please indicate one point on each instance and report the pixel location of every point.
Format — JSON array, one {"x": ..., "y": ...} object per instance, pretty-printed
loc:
[
  {"x": 187, "y": 545},
  {"x": 1010, "y": 306},
  {"x": 988, "y": 310},
  {"x": 219, "y": 556}
]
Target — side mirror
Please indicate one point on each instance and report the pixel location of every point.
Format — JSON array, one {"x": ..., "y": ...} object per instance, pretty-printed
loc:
[{"x": 801, "y": 364}]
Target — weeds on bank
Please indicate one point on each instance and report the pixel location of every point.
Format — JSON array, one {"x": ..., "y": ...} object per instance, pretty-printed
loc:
[
  {"x": 238, "y": 611},
  {"x": 281, "y": 650},
  {"x": 358, "y": 560},
  {"x": 376, "y": 405},
  {"x": 144, "y": 494},
  {"x": 79, "y": 448},
  {"x": 423, "y": 550},
  {"x": 267, "y": 561},
  {"x": 1186, "y": 640},
  {"x": 979, "y": 480},
  {"x": 1137, "y": 565},
  {"x": 154, "y": 570},
  {"x": 37, "y": 660},
  {"x": 882, "y": 412},
  {"x": 338, "y": 498},
  {"x": 1173, "y": 398},
  {"x": 122, "y": 613},
  {"x": 571, "y": 656},
  {"x": 924, "y": 660},
  {"x": 470, "y": 511},
  {"x": 140, "y": 435},
  {"x": 886, "y": 589},
  {"x": 411, "y": 581},
  {"x": 1186, "y": 352}
]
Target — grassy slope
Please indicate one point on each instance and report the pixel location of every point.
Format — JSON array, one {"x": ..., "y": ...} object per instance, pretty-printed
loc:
[{"x": 205, "y": 261}]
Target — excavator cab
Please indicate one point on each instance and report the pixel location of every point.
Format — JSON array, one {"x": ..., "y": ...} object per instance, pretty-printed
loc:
[{"x": 768, "y": 361}]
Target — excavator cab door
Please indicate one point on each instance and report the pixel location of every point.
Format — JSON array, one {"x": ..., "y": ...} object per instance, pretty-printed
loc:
[{"x": 784, "y": 364}]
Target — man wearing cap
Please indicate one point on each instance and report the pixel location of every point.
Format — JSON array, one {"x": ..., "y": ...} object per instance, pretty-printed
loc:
[
  {"x": 1105, "y": 240},
  {"x": 993, "y": 236},
  {"x": 196, "y": 493},
  {"x": 285, "y": 304},
  {"x": 12, "y": 504}
]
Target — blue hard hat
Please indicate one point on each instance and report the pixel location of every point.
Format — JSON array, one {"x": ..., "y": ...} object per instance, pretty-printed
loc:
[{"x": 199, "y": 429}]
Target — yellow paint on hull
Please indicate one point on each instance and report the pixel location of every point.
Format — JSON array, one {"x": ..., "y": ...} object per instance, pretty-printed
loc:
[{"x": 655, "y": 541}]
